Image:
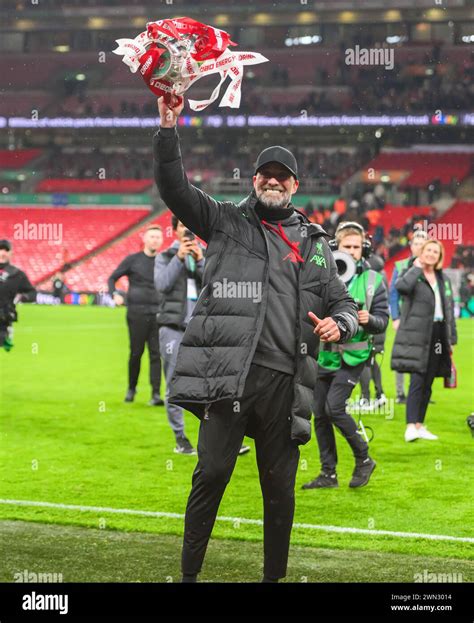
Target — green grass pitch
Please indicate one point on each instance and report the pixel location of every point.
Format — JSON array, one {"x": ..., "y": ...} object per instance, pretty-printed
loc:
[{"x": 67, "y": 437}]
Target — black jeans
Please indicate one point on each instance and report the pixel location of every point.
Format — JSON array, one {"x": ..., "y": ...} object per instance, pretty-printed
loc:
[
  {"x": 333, "y": 389},
  {"x": 419, "y": 393},
  {"x": 263, "y": 412},
  {"x": 143, "y": 329}
]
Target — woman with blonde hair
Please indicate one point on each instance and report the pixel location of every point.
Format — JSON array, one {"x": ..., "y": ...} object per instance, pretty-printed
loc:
[{"x": 427, "y": 332}]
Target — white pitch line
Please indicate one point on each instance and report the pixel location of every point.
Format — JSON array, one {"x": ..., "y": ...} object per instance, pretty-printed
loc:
[{"x": 240, "y": 520}]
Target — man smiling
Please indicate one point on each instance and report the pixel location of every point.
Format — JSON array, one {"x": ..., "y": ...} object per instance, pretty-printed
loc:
[{"x": 247, "y": 366}]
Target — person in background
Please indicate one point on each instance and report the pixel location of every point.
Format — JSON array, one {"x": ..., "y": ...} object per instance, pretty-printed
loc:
[
  {"x": 426, "y": 334},
  {"x": 373, "y": 370},
  {"x": 142, "y": 306},
  {"x": 340, "y": 366},
  {"x": 395, "y": 300},
  {"x": 14, "y": 287},
  {"x": 59, "y": 285},
  {"x": 178, "y": 279}
]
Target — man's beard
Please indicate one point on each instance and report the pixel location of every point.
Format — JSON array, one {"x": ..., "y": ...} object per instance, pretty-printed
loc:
[{"x": 276, "y": 201}]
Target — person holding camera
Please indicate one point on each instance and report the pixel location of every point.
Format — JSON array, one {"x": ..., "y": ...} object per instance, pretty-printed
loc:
[
  {"x": 178, "y": 278},
  {"x": 14, "y": 287},
  {"x": 427, "y": 333},
  {"x": 340, "y": 366}
]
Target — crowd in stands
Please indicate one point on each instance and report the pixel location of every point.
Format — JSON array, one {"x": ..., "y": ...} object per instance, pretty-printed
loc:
[
  {"x": 407, "y": 88},
  {"x": 463, "y": 258},
  {"x": 203, "y": 163},
  {"x": 97, "y": 164},
  {"x": 381, "y": 94}
]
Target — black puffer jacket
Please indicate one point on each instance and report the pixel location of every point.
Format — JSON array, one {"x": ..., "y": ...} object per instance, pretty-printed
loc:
[
  {"x": 221, "y": 338},
  {"x": 412, "y": 342}
]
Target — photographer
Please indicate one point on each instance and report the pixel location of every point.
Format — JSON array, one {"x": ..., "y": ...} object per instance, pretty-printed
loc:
[
  {"x": 178, "y": 278},
  {"x": 14, "y": 287},
  {"x": 427, "y": 333},
  {"x": 340, "y": 367}
]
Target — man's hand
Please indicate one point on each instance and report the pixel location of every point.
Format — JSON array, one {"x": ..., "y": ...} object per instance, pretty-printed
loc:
[
  {"x": 363, "y": 316},
  {"x": 396, "y": 324},
  {"x": 170, "y": 108},
  {"x": 197, "y": 252},
  {"x": 326, "y": 328},
  {"x": 118, "y": 299},
  {"x": 418, "y": 263},
  {"x": 185, "y": 248}
]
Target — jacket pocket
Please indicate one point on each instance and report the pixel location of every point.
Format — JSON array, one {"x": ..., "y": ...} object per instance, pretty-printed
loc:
[{"x": 300, "y": 430}]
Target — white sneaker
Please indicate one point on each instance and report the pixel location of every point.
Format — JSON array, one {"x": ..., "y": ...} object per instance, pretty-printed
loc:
[
  {"x": 424, "y": 433},
  {"x": 411, "y": 433}
]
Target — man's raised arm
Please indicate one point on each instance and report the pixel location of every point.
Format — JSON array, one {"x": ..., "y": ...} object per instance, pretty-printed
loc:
[{"x": 197, "y": 210}]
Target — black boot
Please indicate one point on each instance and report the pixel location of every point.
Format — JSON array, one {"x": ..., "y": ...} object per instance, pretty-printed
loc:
[
  {"x": 323, "y": 481},
  {"x": 362, "y": 473},
  {"x": 130, "y": 396},
  {"x": 156, "y": 401}
]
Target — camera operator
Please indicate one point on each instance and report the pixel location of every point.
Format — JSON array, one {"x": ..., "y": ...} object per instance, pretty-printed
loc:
[
  {"x": 340, "y": 366},
  {"x": 14, "y": 287}
]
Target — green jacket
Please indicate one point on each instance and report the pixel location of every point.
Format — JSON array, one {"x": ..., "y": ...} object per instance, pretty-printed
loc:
[{"x": 369, "y": 291}]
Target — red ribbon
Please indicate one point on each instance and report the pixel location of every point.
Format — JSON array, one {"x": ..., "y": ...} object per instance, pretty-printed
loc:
[{"x": 281, "y": 232}]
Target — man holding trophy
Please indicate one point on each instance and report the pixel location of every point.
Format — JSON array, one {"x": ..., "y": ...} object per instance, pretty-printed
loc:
[
  {"x": 247, "y": 366},
  {"x": 247, "y": 361}
]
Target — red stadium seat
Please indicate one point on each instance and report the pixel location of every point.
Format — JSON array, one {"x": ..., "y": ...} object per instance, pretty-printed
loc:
[
  {"x": 72, "y": 233},
  {"x": 93, "y": 186}
]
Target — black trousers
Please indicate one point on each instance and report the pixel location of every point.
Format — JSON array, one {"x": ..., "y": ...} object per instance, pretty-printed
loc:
[
  {"x": 3, "y": 333},
  {"x": 371, "y": 371},
  {"x": 419, "y": 393},
  {"x": 333, "y": 389},
  {"x": 264, "y": 414},
  {"x": 143, "y": 329}
]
